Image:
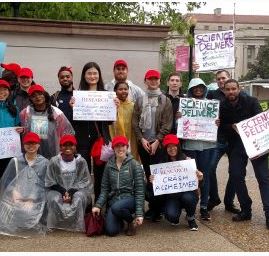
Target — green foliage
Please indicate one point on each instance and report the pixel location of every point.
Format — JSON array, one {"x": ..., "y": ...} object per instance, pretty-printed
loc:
[
  {"x": 169, "y": 67},
  {"x": 261, "y": 66}
]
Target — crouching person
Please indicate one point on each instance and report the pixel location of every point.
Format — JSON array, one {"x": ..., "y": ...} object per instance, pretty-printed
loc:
[
  {"x": 123, "y": 189},
  {"x": 22, "y": 192},
  {"x": 69, "y": 187}
]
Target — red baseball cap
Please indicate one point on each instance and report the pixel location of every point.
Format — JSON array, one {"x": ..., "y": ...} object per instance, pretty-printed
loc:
[
  {"x": 35, "y": 88},
  {"x": 170, "y": 139},
  {"x": 152, "y": 73},
  {"x": 14, "y": 67},
  {"x": 4, "y": 83},
  {"x": 68, "y": 138},
  {"x": 120, "y": 62},
  {"x": 31, "y": 137},
  {"x": 26, "y": 72},
  {"x": 119, "y": 140}
]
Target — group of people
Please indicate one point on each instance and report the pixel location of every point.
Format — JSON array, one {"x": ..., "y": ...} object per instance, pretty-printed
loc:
[{"x": 50, "y": 186}]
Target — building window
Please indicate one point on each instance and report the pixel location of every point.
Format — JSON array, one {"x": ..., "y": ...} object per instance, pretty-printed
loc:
[
  {"x": 206, "y": 27},
  {"x": 219, "y": 28},
  {"x": 261, "y": 28},
  {"x": 249, "y": 65},
  {"x": 231, "y": 27},
  {"x": 248, "y": 27}
]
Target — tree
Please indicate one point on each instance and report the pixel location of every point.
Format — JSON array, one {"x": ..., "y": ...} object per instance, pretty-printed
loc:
[
  {"x": 156, "y": 13},
  {"x": 261, "y": 66}
]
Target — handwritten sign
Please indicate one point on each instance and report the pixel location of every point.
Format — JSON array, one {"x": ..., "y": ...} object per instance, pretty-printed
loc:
[
  {"x": 94, "y": 105},
  {"x": 254, "y": 133},
  {"x": 2, "y": 54},
  {"x": 10, "y": 143},
  {"x": 174, "y": 177},
  {"x": 182, "y": 58},
  {"x": 198, "y": 119},
  {"x": 215, "y": 51}
]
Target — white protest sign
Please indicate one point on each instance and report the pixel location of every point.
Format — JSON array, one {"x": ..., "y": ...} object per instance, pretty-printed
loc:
[
  {"x": 94, "y": 105},
  {"x": 215, "y": 51},
  {"x": 10, "y": 143},
  {"x": 174, "y": 177},
  {"x": 198, "y": 119},
  {"x": 254, "y": 133}
]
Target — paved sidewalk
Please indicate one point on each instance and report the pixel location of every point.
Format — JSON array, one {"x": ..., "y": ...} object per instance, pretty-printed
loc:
[{"x": 220, "y": 234}]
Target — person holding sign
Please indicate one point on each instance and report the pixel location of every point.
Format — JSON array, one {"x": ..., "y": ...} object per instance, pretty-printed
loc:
[
  {"x": 90, "y": 131},
  {"x": 47, "y": 121},
  {"x": 69, "y": 187},
  {"x": 123, "y": 189},
  {"x": 200, "y": 150},
  {"x": 22, "y": 192},
  {"x": 235, "y": 108},
  {"x": 152, "y": 120},
  {"x": 123, "y": 126},
  {"x": 221, "y": 148},
  {"x": 174, "y": 203},
  {"x": 9, "y": 116}
]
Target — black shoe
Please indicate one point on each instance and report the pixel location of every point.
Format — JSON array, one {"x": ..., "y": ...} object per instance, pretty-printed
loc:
[
  {"x": 192, "y": 225},
  {"x": 156, "y": 217},
  {"x": 242, "y": 216},
  {"x": 267, "y": 223},
  {"x": 148, "y": 214},
  {"x": 205, "y": 214},
  {"x": 212, "y": 204},
  {"x": 231, "y": 208}
]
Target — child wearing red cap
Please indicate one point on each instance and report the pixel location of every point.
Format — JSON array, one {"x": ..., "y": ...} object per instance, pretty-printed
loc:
[
  {"x": 123, "y": 126},
  {"x": 22, "y": 191},
  {"x": 122, "y": 189},
  {"x": 69, "y": 187},
  {"x": 9, "y": 116},
  {"x": 174, "y": 203},
  {"x": 46, "y": 120}
]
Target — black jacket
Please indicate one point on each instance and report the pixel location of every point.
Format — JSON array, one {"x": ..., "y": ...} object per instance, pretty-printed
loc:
[{"x": 245, "y": 108}]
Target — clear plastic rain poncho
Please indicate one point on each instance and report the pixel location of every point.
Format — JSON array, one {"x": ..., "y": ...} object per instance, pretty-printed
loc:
[
  {"x": 23, "y": 198},
  {"x": 68, "y": 216}
]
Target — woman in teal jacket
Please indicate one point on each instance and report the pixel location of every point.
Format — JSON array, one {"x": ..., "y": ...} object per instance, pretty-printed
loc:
[
  {"x": 123, "y": 189},
  {"x": 9, "y": 116}
]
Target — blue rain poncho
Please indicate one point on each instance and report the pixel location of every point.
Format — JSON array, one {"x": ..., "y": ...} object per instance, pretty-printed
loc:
[{"x": 23, "y": 197}]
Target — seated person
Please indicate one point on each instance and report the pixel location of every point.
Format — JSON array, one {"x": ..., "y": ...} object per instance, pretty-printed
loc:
[
  {"x": 22, "y": 191},
  {"x": 69, "y": 187},
  {"x": 123, "y": 189}
]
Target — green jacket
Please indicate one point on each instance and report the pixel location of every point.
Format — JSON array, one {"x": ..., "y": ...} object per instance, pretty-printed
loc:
[{"x": 126, "y": 182}]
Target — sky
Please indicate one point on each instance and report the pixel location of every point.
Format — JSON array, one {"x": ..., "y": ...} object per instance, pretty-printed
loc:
[{"x": 244, "y": 7}]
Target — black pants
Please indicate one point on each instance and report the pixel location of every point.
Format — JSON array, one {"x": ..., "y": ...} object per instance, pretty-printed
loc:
[
  {"x": 155, "y": 202},
  {"x": 3, "y": 164}
]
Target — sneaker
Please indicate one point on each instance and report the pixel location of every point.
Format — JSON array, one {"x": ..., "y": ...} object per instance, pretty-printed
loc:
[
  {"x": 212, "y": 204},
  {"x": 242, "y": 216},
  {"x": 174, "y": 224},
  {"x": 231, "y": 208},
  {"x": 192, "y": 225},
  {"x": 205, "y": 214},
  {"x": 131, "y": 230}
]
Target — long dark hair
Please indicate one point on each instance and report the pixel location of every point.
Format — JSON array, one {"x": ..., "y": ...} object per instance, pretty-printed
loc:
[
  {"x": 83, "y": 85},
  {"x": 48, "y": 106},
  {"x": 180, "y": 155}
]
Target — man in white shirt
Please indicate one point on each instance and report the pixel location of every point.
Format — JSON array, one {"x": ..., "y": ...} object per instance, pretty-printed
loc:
[{"x": 120, "y": 71}]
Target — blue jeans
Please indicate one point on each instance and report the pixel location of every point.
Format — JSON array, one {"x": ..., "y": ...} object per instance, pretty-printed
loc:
[
  {"x": 238, "y": 161},
  {"x": 216, "y": 155},
  {"x": 202, "y": 159},
  {"x": 176, "y": 202},
  {"x": 120, "y": 211}
]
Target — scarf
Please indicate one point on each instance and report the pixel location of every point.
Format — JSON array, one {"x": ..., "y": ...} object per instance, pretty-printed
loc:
[{"x": 150, "y": 101}]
